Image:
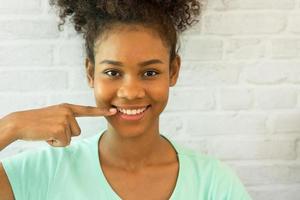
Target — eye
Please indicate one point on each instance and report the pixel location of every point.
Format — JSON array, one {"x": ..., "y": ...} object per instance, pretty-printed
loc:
[
  {"x": 150, "y": 73},
  {"x": 112, "y": 73}
]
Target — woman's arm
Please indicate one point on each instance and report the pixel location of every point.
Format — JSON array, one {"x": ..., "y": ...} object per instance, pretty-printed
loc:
[
  {"x": 55, "y": 124},
  {"x": 7, "y": 135},
  {"x": 5, "y": 187}
]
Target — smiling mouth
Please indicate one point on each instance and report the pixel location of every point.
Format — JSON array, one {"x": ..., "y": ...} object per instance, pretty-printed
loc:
[{"x": 138, "y": 110}]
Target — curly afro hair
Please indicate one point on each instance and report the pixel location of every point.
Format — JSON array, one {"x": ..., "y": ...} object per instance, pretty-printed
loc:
[{"x": 94, "y": 18}]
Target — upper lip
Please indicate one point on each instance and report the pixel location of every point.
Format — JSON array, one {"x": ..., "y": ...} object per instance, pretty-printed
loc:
[{"x": 131, "y": 106}]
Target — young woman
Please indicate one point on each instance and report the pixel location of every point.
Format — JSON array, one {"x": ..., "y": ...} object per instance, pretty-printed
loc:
[{"x": 131, "y": 62}]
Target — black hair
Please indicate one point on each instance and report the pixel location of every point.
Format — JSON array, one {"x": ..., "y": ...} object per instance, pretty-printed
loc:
[{"x": 94, "y": 18}]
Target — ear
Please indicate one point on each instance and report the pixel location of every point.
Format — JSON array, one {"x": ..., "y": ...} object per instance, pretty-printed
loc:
[
  {"x": 174, "y": 70},
  {"x": 89, "y": 72}
]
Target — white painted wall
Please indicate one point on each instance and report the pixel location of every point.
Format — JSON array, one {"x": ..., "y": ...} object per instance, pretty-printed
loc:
[{"x": 237, "y": 97}]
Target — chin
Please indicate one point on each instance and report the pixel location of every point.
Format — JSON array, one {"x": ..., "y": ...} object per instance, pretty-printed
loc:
[{"x": 127, "y": 131}]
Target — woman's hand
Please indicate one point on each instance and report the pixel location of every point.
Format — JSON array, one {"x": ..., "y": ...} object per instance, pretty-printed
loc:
[{"x": 54, "y": 124}]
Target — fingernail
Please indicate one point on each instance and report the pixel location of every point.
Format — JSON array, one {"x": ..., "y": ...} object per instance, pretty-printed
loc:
[{"x": 113, "y": 110}]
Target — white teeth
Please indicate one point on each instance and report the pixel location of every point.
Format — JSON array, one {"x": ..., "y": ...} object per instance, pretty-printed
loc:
[{"x": 132, "y": 112}]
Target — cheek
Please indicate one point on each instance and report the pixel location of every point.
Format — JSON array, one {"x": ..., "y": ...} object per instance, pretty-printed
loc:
[
  {"x": 160, "y": 93},
  {"x": 103, "y": 93}
]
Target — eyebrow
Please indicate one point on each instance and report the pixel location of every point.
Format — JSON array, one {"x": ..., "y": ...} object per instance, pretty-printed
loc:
[{"x": 142, "y": 64}]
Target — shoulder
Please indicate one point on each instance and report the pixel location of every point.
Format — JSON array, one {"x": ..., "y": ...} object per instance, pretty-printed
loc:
[
  {"x": 196, "y": 158},
  {"x": 204, "y": 163},
  {"x": 210, "y": 174}
]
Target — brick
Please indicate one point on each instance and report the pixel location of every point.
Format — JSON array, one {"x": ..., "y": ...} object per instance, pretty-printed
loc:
[
  {"x": 253, "y": 149},
  {"x": 202, "y": 49},
  {"x": 198, "y": 145},
  {"x": 26, "y": 55},
  {"x": 275, "y": 98},
  {"x": 208, "y": 74},
  {"x": 235, "y": 98},
  {"x": 215, "y": 5},
  {"x": 258, "y": 4},
  {"x": 293, "y": 72},
  {"x": 294, "y": 23},
  {"x": 290, "y": 192},
  {"x": 286, "y": 48},
  {"x": 72, "y": 53},
  {"x": 198, "y": 99},
  {"x": 194, "y": 30},
  {"x": 287, "y": 122},
  {"x": 33, "y": 80},
  {"x": 250, "y": 4},
  {"x": 17, "y": 7},
  {"x": 28, "y": 29},
  {"x": 225, "y": 123},
  {"x": 80, "y": 98},
  {"x": 16, "y": 102},
  {"x": 244, "y": 23},
  {"x": 263, "y": 174},
  {"x": 172, "y": 125},
  {"x": 245, "y": 49},
  {"x": 298, "y": 149},
  {"x": 78, "y": 79},
  {"x": 272, "y": 72}
]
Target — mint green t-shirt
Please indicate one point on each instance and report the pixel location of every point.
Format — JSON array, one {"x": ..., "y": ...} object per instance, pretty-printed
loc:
[{"x": 74, "y": 173}]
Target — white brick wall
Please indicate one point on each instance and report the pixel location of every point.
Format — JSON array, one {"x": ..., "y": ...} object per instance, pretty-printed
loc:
[{"x": 237, "y": 97}]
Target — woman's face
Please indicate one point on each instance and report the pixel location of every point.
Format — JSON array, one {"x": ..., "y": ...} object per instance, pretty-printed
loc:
[{"x": 132, "y": 73}]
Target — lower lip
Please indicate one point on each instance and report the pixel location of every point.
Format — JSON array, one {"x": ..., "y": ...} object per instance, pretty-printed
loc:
[{"x": 132, "y": 117}]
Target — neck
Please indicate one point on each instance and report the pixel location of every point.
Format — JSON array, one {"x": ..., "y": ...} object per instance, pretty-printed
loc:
[{"x": 131, "y": 152}]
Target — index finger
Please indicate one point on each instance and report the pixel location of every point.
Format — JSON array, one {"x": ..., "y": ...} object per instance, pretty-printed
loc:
[{"x": 90, "y": 111}]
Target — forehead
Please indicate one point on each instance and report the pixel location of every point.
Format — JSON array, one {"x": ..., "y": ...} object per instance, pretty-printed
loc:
[{"x": 134, "y": 42}]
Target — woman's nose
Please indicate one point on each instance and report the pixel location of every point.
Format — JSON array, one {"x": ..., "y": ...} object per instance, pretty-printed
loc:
[{"x": 131, "y": 90}]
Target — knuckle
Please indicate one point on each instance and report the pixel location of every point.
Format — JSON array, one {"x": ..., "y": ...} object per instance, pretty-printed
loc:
[
  {"x": 64, "y": 107},
  {"x": 67, "y": 113}
]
